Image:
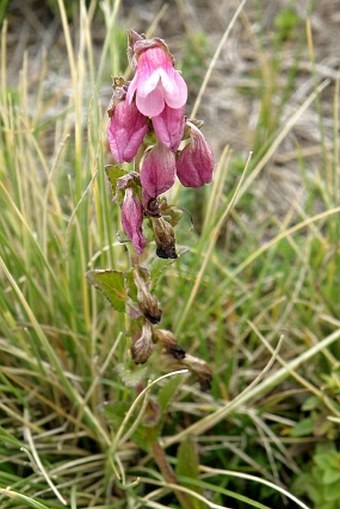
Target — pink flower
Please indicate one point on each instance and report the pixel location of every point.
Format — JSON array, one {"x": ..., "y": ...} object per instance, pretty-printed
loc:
[
  {"x": 169, "y": 127},
  {"x": 126, "y": 131},
  {"x": 132, "y": 219},
  {"x": 156, "y": 83},
  {"x": 158, "y": 171},
  {"x": 195, "y": 164}
]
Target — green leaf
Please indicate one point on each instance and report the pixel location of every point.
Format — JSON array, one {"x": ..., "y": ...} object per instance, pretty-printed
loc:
[
  {"x": 132, "y": 377},
  {"x": 111, "y": 283},
  {"x": 167, "y": 392},
  {"x": 188, "y": 465},
  {"x": 115, "y": 412},
  {"x": 332, "y": 493},
  {"x": 187, "y": 459},
  {"x": 144, "y": 436},
  {"x": 311, "y": 403},
  {"x": 334, "y": 461},
  {"x": 158, "y": 268},
  {"x": 326, "y": 458},
  {"x": 113, "y": 173},
  {"x": 331, "y": 476},
  {"x": 303, "y": 428},
  {"x": 130, "y": 285}
]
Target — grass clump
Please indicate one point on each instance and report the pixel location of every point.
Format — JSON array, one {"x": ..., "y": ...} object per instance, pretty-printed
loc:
[{"x": 256, "y": 295}]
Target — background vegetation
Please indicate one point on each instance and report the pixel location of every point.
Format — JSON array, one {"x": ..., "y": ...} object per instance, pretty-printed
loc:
[{"x": 255, "y": 291}]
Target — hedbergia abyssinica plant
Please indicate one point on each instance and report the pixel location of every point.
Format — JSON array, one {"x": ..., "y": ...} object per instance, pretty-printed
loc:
[{"x": 149, "y": 129}]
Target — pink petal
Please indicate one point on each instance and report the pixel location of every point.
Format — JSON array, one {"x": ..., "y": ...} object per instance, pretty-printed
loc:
[
  {"x": 149, "y": 65},
  {"x": 132, "y": 220},
  {"x": 148, "y": 83},
  {"x": 169, "y": 127},
  {"x": 154, "y": 58},
  {"x": 158, "y": 171},
  {"x": 156, "y": 82},
  {"x": 175, "y": 90},
  {"x": 132, "y": 89},
  {"x": 152, "y": 104},
  {"x": 126, "y": 131},
  {"x": 195, "y": 163}
]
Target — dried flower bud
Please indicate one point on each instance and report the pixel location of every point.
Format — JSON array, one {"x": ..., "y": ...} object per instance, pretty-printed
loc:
[
  {"x": 164, "y": 237},
  {"x": 132, "y": 219},
  {"x": 120, "y": 87},
  {"x": 138, "y": 43},
  {"x": 126, "y": 130},
  {"x": 147, "y": 302},
  {"x": 158, "y": 171},
  {"x": 151, "y": 205},
  {"x": 133, "y": 37},
  {"x": 128, "y": 180},
  {"x": 195, "y": 163},
  {"x": 171, "y": 360},
  {"x": 169, "y": 127},
  {"x": 142, "y": 345},
  {"x": 167, "y": 340},
  {"x": 200, "y": 369}
]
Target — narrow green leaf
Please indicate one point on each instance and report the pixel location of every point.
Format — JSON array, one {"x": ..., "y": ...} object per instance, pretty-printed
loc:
[
  {"x": 167, "y": 392},
  {"x": 111, "y": 283},
  {"x": 214, "y": 488},
  {"x": 22, "y": 498},
  {"x": 8, "y": 439},
  {"x": 188, "y": 465}
]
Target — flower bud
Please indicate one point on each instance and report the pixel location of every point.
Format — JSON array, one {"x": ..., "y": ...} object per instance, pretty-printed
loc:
[
  {"x": 132, "y": 219},
  {"x": 164, "y": 238},
  {"x": 167, "y": 340},
  {"x": 147, "y": 302},
  {"x": 200, "y": 369},
  {"x": 126, "y": 130},
  {"x": 169, "y": 127},
  {"x": 195, "y": 163},
  {"x": 158, "y": 171},
  {"x": 142, "y": 344}
]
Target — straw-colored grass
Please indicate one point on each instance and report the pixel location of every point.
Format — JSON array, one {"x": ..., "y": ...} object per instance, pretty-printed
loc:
[{"x": 255, "y": 293}]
